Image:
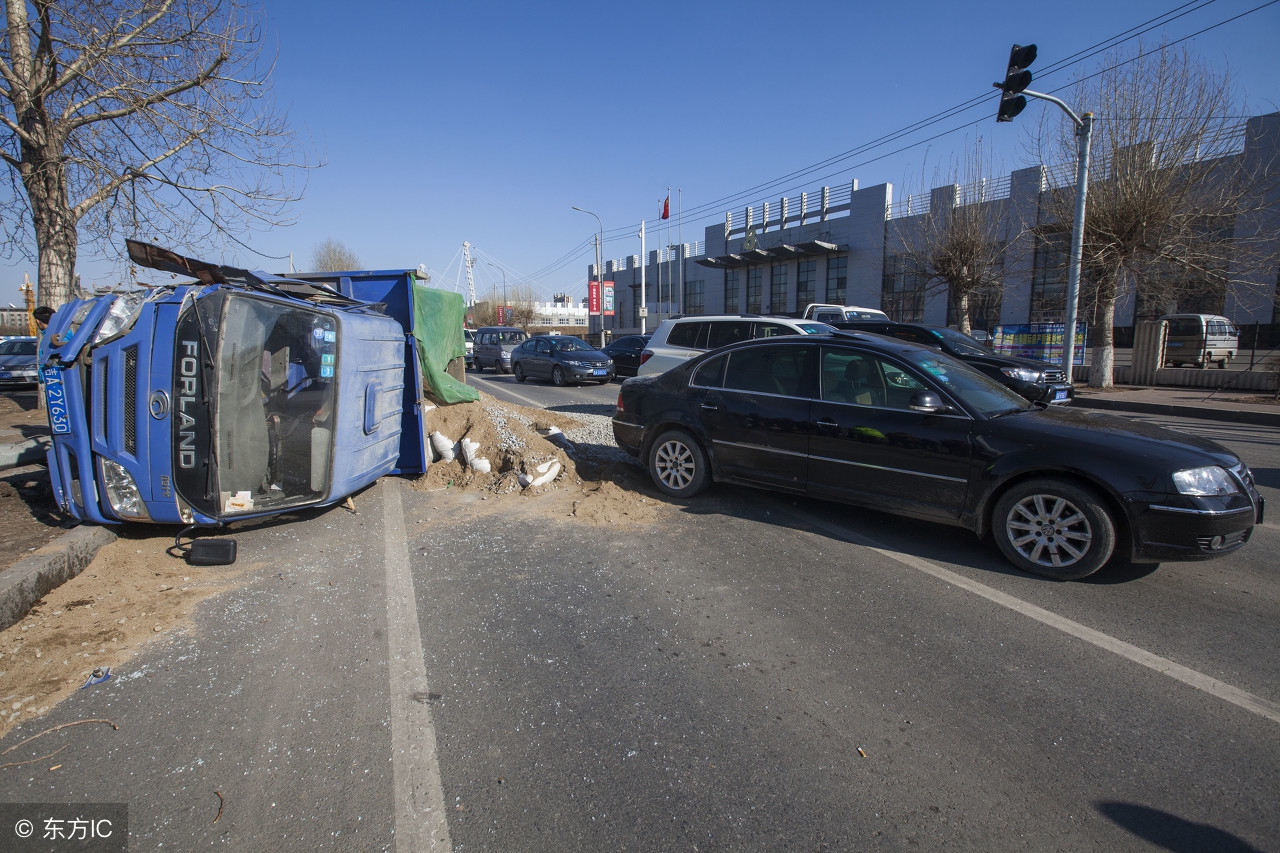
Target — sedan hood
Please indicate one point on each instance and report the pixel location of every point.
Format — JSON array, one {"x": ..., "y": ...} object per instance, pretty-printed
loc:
[{"x": 1114, "y": 435}]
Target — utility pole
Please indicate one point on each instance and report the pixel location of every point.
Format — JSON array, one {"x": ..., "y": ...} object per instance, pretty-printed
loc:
[{"x": 599, "y": 274}]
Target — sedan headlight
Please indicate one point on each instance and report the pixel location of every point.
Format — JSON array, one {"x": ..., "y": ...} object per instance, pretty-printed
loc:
[
  {"x": 1022, "y": 374},
  {"x": 122, "y": 492},
  {"x": 1211, "y": 480},
  {"x": 122, "y": 315}
]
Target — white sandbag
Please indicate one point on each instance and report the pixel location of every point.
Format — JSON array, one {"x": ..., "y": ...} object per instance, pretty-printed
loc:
[
  {"x": 442, "y": 446},
  {"x": 548, "y": 471}
]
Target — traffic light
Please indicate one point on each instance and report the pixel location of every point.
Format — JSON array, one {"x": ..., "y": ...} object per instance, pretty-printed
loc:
[{"x": 1016, "y": 79}]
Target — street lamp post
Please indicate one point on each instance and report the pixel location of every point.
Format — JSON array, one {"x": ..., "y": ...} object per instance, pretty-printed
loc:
[
  {"x": 504, "y": 289},
  {"x": 599, "y": 272}
]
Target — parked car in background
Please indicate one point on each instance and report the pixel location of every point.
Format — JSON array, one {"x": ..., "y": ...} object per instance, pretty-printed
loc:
[
  {"x": 493, "y": 347},
  {"x": 893, "y": 426},
  {"x": 18, "y": 363},
  {"x": 833, "y": 314},
  {"x": 1197, "y": 339},
  {"x": 470, "y": 336},
  {"x": 1038, "y": 381},
  {"x": 679, "y": 339},
  {"x": 625, "y": 352},
  {"x": 561, "y": 359}
]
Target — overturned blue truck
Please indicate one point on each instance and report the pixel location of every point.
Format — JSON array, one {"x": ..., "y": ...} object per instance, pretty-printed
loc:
[{"x": 241, "y": 394}]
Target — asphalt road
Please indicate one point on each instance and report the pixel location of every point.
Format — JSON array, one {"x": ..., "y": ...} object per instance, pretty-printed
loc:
[{"x": 761, "y": 673}]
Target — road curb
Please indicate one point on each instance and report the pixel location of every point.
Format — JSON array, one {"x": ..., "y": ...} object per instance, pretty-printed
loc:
[
  {"x": 1203, "y": 412},
  {"x": 33, "y": 577},
  {"x": 30, "y": 452}
]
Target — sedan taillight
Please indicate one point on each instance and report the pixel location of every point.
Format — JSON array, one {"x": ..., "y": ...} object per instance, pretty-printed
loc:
[
  {"x": 620, "y": 408},
  {"x": 645, "y": 356}
]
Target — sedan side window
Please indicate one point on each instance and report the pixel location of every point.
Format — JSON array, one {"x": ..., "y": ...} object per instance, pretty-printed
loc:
[
  {"x": 711, "y": 373},
  {"x": 684, "y": 335},
  {"x": 767, "y": 370},
  {"x": 727, "y": 332},
  {"x": 544, "y": 348}
]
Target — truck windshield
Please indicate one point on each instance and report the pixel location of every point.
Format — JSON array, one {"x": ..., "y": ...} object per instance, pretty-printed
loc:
[{"x": 274, "y": 372}]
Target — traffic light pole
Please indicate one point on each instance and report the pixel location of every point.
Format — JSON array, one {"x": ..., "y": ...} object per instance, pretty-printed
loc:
[{"x": 1084, "y": 132}]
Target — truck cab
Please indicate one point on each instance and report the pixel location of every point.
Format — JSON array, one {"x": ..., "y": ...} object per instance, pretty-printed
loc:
[{"x": 228, "y": 397}]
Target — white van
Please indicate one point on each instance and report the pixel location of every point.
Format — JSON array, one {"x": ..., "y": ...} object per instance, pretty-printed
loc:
[
  {"x": 1197, "y": 339},
  {"x": 679, "y": 339}
]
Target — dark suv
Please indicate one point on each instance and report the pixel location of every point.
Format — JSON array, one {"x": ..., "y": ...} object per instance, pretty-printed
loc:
[{"x": 1038, "y": 381}]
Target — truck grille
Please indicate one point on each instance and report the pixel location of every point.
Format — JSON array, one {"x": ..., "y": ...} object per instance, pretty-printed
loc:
[
  {"x": 131, "y": 400},
  {"x": 1054, "y": 376}
]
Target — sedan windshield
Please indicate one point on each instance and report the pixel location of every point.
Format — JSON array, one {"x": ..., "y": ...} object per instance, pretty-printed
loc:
[
  {"x": 571, "y": 345},
  {"x": 18, "y": 348},
  {"x": 960, "y": 343},
  {"x": 975, "y": 390}
]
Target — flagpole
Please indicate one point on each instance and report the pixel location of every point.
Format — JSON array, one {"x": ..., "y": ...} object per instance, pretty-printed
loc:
[
  {"x": 643, "y": 261},
  {"x": 680, "y": 238},
  {"x": 667, "y": 243}
]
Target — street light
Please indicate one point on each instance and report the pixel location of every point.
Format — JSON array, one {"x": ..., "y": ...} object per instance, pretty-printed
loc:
[
  {"x": 599, "y": 272},
  {"x": 504, "y": 289}
]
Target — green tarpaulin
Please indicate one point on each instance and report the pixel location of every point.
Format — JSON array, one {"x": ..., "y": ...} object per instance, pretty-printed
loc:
[{"x": 438, "y": 318}]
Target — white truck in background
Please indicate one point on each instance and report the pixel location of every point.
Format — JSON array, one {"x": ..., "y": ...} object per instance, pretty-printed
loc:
[{"x": 833, "y": 314}]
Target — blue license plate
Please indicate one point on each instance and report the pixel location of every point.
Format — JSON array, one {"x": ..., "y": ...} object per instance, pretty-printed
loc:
[
  {"x": 600, "y": 371},
  {"x": 55, "y": 397},
  {"x": 1058, "y": 396},
  {"x": 4, "y": 374}
]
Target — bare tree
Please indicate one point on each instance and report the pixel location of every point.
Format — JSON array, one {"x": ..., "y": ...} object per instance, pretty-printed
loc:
[
  {"x": 521, "y": 312},
  {"x": 332, "y": 256},
  {"x": 1167, "y": 188},
  {"x": 959, "y": 245},
  {"x": 135, "y": 117}
]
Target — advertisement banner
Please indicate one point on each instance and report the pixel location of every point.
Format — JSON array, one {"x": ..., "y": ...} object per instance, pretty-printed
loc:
[
  {"x": 608, "y": 298},
  {"x": 502, "y": 315},
  {"x": 1041, "y": 341},
  {"x": 593, "y": 297}
]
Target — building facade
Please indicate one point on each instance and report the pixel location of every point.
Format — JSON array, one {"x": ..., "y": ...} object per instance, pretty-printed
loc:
[{"x": 838, "y": 246}]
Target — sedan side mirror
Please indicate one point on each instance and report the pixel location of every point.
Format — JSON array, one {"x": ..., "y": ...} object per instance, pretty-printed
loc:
[{"x": 928, "y": 403}]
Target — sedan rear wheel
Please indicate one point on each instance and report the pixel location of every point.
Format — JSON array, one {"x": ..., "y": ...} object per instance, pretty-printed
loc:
[
  {"x": 1054, "y": 528},
  {"x": 678, "y": 465}
]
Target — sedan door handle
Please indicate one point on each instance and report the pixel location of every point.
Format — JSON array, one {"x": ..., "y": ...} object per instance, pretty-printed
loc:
[
  {"x": 710, "y": 407},
  {"x": 827, "y": 423}
]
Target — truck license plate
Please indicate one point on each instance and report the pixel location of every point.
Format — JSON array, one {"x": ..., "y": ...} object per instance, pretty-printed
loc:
[{"x": 55, "y": 397}]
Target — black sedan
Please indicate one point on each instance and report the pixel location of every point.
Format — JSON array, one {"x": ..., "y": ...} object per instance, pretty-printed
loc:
[
  {"x": 625, "y": 352},
  {"x": 562, "y": 359},
  {"x": 1038, "y": 381},
  {"x": 875, "y": 422}
]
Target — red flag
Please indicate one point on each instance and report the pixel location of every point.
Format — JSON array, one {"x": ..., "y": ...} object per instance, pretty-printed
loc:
[{"x": 666, "y": 208}]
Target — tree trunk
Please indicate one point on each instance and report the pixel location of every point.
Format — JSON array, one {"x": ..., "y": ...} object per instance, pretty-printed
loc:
[
  {"x": 1104, "y": 349},
  {"x": 962, "y": 312}
]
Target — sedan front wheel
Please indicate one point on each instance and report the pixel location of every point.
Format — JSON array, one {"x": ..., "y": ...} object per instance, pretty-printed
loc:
[
  {"x": 1054, "y": 528},
  {"x": 678, "y": 464}
]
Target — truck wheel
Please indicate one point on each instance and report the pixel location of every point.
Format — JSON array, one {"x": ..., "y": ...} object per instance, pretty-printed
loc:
[
  {"x": 1224, "y": 361},
  {"x": 1054, "y": 528}
]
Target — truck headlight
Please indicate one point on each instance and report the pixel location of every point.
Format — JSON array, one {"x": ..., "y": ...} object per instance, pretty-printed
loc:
[
  {"x": 1210, "y": 480},
  {"x": 122, "y": 492},
  {"x": 122, "y": 315},
  {"x": 1022, "y": 374}
]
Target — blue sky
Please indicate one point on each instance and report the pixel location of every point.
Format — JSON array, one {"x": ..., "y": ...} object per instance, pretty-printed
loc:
[{"x": 441, "y": 122}]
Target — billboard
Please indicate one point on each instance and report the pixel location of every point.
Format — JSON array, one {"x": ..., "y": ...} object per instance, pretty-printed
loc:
[
  {"x": 600, "y": 302},
  {"x": 1042, "y": 341}
]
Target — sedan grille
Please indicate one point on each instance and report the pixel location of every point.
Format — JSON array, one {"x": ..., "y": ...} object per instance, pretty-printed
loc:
[{"x": 1054, "y": 376}]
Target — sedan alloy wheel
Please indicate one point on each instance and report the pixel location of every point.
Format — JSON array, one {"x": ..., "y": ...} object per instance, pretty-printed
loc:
[{"x": 1054, "y": 528}]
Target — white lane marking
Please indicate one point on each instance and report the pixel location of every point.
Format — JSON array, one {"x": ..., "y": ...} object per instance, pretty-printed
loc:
[
  {"x": 421, "y": 821},
  {"x": 1227, "y": 692}
]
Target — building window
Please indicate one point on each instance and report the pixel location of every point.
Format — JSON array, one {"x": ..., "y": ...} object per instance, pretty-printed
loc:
[
  {"x": 755, "y": 283},
  {"x": 731, "y": 292},
  {"x": 1049, "y": 279},
  {"x": 806, "y": 279},
  {"x": 902, "y": 289},
  {"x": 778, "y": 288},
  {"x": 694, "y": 301},
  {"x": 837, "y": 278}
]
